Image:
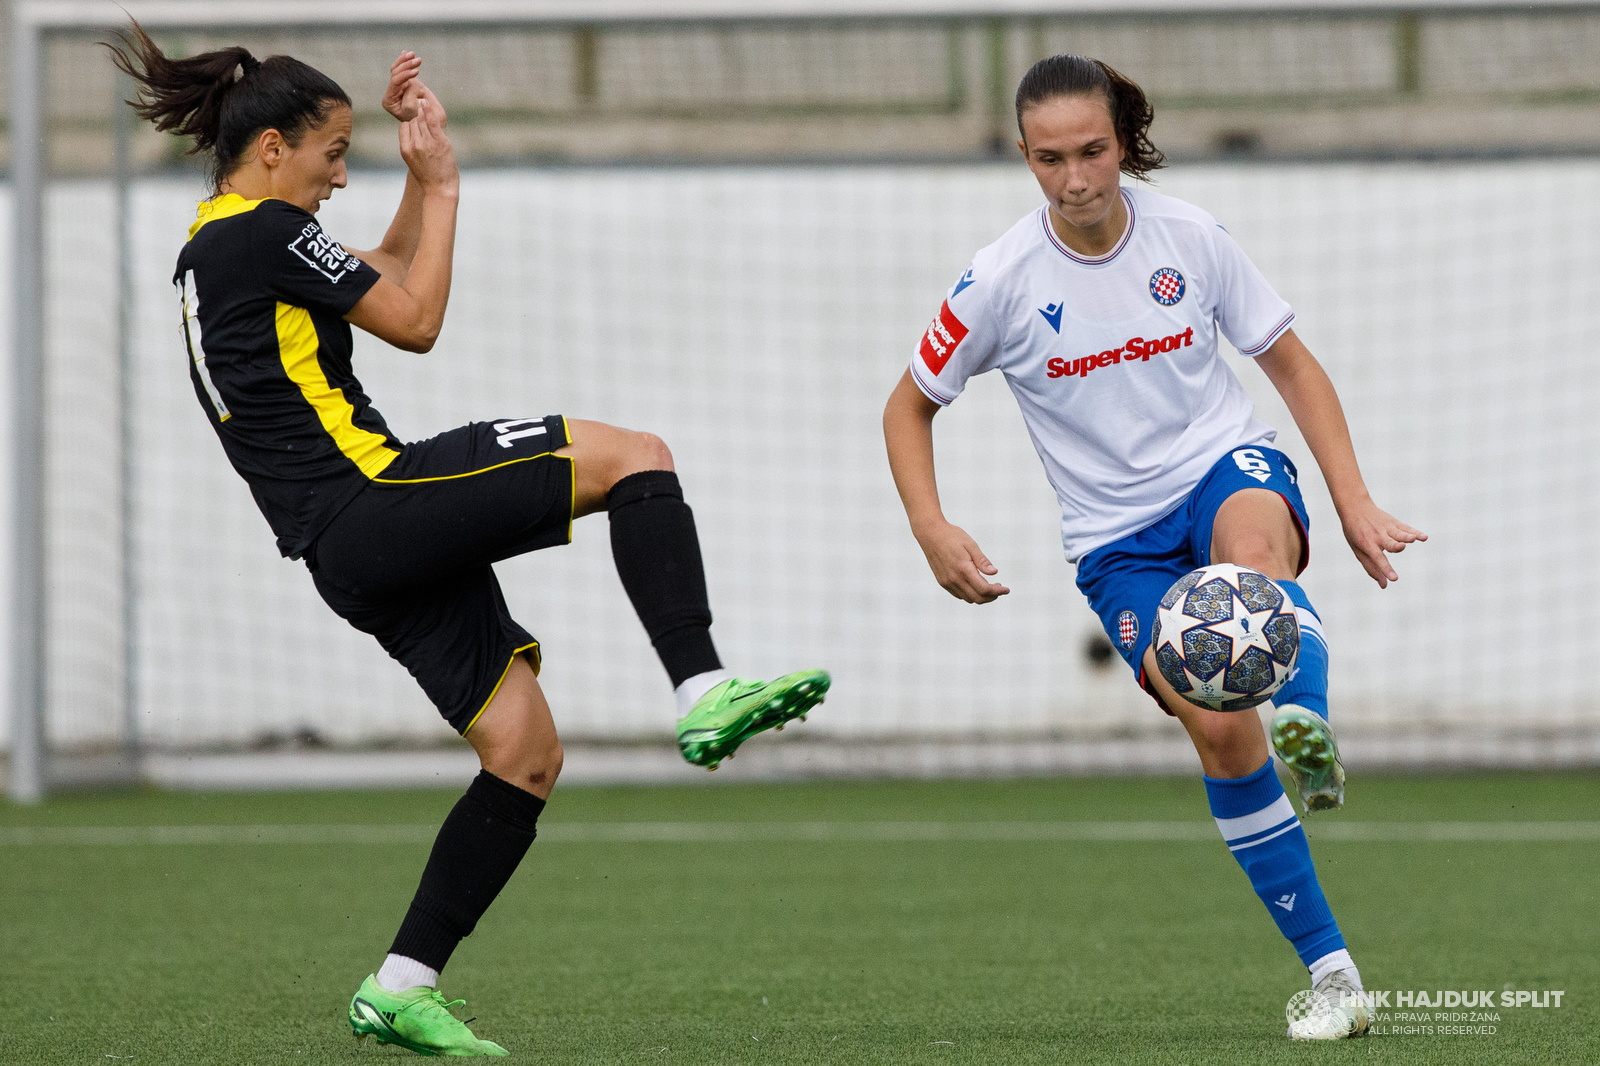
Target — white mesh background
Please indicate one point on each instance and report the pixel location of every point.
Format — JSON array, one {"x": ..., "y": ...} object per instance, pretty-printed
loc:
[{"x": 756, "y": 318}]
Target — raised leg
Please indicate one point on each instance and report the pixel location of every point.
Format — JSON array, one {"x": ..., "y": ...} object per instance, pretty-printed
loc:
[{"x": 653, "y": 542}]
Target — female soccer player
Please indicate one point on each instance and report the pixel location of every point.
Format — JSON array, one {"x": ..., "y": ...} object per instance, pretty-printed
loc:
[
  {"x": 1102, "y": 309},
  {"x": 400, "y": 538}
]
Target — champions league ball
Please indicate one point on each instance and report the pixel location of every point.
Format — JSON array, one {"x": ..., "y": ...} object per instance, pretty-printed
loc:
[{"x": 1226, "y": 637}]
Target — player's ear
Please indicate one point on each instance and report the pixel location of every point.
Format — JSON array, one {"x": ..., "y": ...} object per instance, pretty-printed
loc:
[
  {"x": 270, "y": 147},
  {"x": 1022, "y": 146}
]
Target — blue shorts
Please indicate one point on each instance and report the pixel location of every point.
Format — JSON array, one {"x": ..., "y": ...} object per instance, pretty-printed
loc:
[{"x": 1125, "y": 580}]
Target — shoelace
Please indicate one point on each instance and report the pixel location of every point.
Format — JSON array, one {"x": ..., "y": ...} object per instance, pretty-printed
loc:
[{"x": 437, "y": 999}]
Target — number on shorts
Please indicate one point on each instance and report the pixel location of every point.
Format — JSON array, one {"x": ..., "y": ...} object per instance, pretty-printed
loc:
[
  {"x": 1253, "y": 463},
  {"x": 507, "y": 433}
]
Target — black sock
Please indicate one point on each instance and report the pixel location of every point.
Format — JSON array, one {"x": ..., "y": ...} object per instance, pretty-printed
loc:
[
  {"x": 476, "y": 852},
  {"x": 658, "y": 558}
]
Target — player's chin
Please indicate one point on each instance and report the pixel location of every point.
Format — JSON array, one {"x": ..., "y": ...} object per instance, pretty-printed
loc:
[{"x": 1085, "y": 214}]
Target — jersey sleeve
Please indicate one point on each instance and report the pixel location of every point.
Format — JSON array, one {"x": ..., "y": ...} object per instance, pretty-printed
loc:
[
  {"x": 299, "y": 264},
  {"x": 961, "y": 341},
  {"x": 1251, "y": 314}
]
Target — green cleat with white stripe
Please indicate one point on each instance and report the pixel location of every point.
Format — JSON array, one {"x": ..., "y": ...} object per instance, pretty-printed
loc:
[
  {"x": 737, "y": 710},
  {"x": 1305, "y": 743},
  {"x": 417, "y": 1019}
]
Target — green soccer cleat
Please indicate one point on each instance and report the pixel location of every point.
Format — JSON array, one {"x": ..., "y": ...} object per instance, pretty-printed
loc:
[
  {"x": 737, "y": 710},
  {"x": 417, "y": 1019},
  {"x": 1304, "y": 741}
]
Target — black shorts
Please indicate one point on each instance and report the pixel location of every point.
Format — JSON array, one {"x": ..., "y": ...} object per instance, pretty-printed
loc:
[{"x": 409, "y": 559}]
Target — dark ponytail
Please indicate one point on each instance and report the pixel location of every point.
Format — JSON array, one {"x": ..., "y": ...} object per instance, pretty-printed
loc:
[
  {"x": 1131, "y": 113},
  {"x": 225, "y": 99}
]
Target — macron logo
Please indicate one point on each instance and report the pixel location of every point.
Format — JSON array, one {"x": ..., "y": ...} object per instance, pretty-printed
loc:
[
  {"x": 1052, "y": 315},
  {"x": 1286, "y": 902},
  {"x": 966, "y": 279}
]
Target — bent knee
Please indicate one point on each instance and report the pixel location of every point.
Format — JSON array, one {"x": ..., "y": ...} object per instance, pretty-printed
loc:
[
  {"x": 1266, "y": 554},
  {"x": 534, "y": 770},
  {"x": 648, "y": 452},
  {"x": 1225, "y": 747},
  {"x": 545, "y": 767}
]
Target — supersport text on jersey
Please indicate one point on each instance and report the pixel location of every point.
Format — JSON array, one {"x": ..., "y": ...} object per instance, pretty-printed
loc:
[
  {"x": 1136, "y": 348},
  {"x": 1113, "y": 359}
]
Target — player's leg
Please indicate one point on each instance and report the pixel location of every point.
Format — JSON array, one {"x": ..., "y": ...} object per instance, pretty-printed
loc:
[
  {"x": 654, "y": 544},
  {"x": 486, "y": 834},
  {"x": 1260, "y": 827},
  {"x": 1124, "y": 582},
  {"x": 657, "y": 553},
  {"x": 478, "y": 848},
  {"x": 1256, "y": 527},
  {"x": 1263, "y": 527}
]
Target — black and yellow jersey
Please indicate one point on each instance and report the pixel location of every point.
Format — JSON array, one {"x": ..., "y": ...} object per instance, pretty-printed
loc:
[{"x": 264, "y": 294}]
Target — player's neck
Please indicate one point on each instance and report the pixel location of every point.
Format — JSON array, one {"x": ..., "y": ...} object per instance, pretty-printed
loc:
[
  {"x": 1096, "y": 239},
  {"x": 262, "y": 183}
]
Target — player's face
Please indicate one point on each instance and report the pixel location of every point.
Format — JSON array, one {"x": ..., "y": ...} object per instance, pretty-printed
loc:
[
  {"x": 1072, "y": 149},
  {"x": 310, "y": 171}
]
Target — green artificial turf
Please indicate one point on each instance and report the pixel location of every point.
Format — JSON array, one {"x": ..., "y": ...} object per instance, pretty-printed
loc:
[{"x": 793, "y": 951}]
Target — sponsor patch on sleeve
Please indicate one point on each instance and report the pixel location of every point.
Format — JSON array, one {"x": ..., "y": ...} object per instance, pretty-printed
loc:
[
  {"x": 323, "y": 254},
  {"x": 944, "y": 335}
]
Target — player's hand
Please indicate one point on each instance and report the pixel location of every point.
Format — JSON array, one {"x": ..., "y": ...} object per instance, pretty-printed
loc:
[
  {"x": 406, "y": 89},
  {"x": 1373, "y": 532},
  {"x": 959, "y": 565},
  {"x": 427, "y": 151},
  {"x": 402, "y": 73}
]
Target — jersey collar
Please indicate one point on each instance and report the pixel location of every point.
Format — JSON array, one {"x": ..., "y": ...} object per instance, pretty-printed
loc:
[
  {"x": 225, "y": 206},
  {"x": 1127, "y": 233}
]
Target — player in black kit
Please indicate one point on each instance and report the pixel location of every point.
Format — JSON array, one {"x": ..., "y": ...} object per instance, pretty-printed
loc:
[{"x": 400, "y": 538}]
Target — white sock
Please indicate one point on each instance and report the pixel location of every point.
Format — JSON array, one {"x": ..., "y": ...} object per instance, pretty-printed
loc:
[
  {"x": 690, "y": 691},
  {"x": 1333, "y": 961},
  {"x": 400, "y": 973}
]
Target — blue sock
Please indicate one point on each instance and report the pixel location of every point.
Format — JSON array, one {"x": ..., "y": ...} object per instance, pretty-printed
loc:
[
  {"x": 1263, "y": 833},
  {"x": 1308, "y": 686}
]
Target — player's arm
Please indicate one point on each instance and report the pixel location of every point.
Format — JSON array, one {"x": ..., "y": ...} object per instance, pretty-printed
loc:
[
  {"x": 1311, "y": 398},
  {"x": 393, "y": 257},
  {"x": 409, "y": 315},
  {"x": 957, "y": 562}
]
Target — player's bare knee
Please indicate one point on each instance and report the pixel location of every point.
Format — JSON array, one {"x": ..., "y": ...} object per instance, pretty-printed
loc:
[
  {"x": 536, "y": 769},
  {"x": 638, "y": 453},
  {"x": 1230, "y": 749},
  {"x": 650, "y": 452},
  {"x": 1260, "y": 552}
]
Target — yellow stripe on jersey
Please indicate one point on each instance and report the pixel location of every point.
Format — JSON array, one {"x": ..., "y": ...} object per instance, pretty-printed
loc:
[
  {"x": 297, "y": 347},
  {"x": 222, "y": 207}
]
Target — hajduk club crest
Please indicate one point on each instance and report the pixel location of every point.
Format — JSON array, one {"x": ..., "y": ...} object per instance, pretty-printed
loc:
[
  {"x": 1127, "y": 629},
  {"x": 1167, "y": 286}
]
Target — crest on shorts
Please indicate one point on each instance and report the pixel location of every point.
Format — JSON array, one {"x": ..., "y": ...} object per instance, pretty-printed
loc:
[
  {"x": 1167, "y": 286},
  {"x": 1127, "y": 629}
]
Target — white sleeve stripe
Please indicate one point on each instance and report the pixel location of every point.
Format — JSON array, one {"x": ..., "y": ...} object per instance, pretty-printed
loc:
[
  {"x": 1267, "y": 817},
  {"x": 1277, "y": 331},
  {"x": 928, "y": 390}
]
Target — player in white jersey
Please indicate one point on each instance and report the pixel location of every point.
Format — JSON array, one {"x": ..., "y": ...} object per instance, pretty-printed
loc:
[{"x": 1102, "y": 310}]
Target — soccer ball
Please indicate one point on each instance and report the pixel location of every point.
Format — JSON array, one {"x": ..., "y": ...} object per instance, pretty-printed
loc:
[{"x": 1226, "y": 637}]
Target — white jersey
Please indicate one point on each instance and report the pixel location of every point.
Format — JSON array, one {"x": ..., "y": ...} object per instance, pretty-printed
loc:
[{"x": 1113, "y": 359}]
